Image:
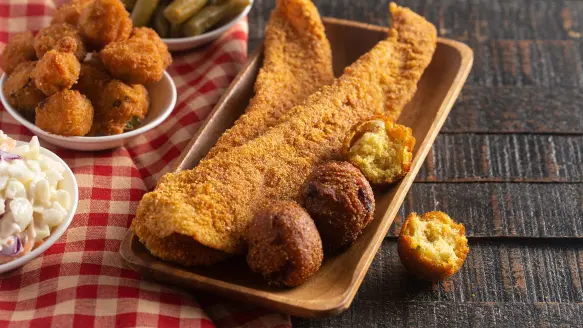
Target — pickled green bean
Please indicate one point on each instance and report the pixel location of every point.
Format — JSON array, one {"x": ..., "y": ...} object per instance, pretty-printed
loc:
[
  {"x": 176, "y": 31},
  {"x": 180, "y": 11},
  {"x": 211, "y": 15},
  {"x": 160, "y": 23},
  {"x": 129, "y": 4},
  {"x": 143, "y": 11}
]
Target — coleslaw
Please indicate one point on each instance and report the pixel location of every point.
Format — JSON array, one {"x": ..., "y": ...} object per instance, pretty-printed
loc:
[{"x": 31, "y": 200}]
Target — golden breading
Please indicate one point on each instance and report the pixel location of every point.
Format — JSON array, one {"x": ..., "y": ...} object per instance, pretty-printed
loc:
[
  {"x": 70, "y": 12},
  {"x": 297, "y": 62},
  {"x": 341, "y": 202},
  {"x": 215, "y": 201},
  {"x": 92, "y": 79},
  {"x": 48, "y": 39},
  {"x": 66, "y": 113},
  {"x": 181, "y": 249},
  {"x": 19, "y": 49},
  {"x": 56, "y": 71},
  {"x": 104, "y": 21},
  {"x": 284, "y": 244},
  {"x": 381, "y": 149},
  {"x": 134, "y": 61},
  {"x": 433, "y": 246},
  {"x": 121, "y": 108},
  {"x": 149, "y": 34},
  {"x": 20, "y": 91},
  {"x": 307, "y": 66}
]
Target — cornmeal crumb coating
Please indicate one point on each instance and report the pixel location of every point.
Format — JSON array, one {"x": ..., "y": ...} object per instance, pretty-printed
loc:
[
  {"x": 341, "y": 202},
  {"x": 93, "y": 78},
  {"x": 284, "y": 244},
  {"x": 136, "y": 60},
  {"x": 151, "y": 35},
  {"x": 381, "y": 149},
  {"x": 20, "y": 91},
  {"x": 66, "y": 113},
  {"x": 432, "y": 246},
  {"x": 19, "y": 49},
  {"x": 56, "y": 71},
  {"x": 215, "y": 201},
  {"x": 48, "y": 38},
  {"x": 297, "y": 62},
  {"x": 119, "y": 106},
  {"x": 70, "y": 12},
  {"x": 180, "y": 249},
  {"x": 104, "y": 21}
]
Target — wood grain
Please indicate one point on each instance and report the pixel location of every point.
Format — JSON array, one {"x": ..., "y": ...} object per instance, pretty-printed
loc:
[
  {"x": 464, "y": 19},
  {"x": 504, "y": 158},
  {"x": 501, "y": 209},
  {"x": 517, "y": 110},
  {"x": 509, "y": 283}
]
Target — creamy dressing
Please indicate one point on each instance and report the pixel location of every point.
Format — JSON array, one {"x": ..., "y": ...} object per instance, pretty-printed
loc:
[{"x": 31, "y": 200}]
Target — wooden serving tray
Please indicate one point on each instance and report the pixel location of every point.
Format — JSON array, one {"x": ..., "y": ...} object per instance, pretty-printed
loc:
[{"x": 333, "y": 288}]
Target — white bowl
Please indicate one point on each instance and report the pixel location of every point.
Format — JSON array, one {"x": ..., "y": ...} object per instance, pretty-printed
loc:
[
  {"x": 178, "y": 44},
  {"x": 69, "y": 183},
  {"x": 162, "y": 100}
]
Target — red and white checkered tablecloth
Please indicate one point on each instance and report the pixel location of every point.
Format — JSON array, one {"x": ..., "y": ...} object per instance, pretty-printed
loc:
[{"x": 80, "y": 281}]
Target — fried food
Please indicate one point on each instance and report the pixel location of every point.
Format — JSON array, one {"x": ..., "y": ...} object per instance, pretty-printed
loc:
[
  {"x": 341, "y": 202},
  {"x": 295, "y": 26},
  {"x": 121, "y": 108},
  {"x": 70, "y": 12},
  {"x": 136, "y": 60},
  {"x": 381, "y": 149},
  {"x": 20, "y": 91},
  {"x": 56, "y": 71},
  {"x": 183, "y": 250},
  {"x": 48, "y": 39},
  {"x": 433, "y": 246},
  {"x": 19, "y": 49},
  {"x": 284, "y": 244},
  {"x": 150, "y": 34},
  {"x": 214, "y": 202},
  {"x": 92, "y": 79},
  {"x": 297, "y": 62},
  {"x": 104, "y": 21},
  {"x": 66, "y": 113}
]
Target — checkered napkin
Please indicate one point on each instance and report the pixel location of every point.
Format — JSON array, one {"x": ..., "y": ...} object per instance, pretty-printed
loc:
[{"x": 80, "y": 281}]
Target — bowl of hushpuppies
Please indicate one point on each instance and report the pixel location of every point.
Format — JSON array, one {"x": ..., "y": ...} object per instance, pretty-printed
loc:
[{"x": 90, "y": 80}]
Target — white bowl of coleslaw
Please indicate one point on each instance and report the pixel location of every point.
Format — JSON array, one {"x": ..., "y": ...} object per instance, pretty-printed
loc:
[{"x": 38, "y": 199}]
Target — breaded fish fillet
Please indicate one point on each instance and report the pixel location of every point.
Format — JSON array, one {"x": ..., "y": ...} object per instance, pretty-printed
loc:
[
  {"x": 214, "y": 202},
  {"x": 297, "y": 61}
]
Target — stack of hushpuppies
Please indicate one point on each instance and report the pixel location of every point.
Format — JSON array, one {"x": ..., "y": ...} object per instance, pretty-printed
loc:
[{"x": 85, "y": 73}]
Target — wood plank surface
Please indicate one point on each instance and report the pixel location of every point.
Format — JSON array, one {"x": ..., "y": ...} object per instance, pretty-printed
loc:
[
  {"x": 508, "y": 164},
  {"x": 506, "y": 283},
  {"x": 511, "y": 109},
  {"x": 501, "y": 209},
  {"x": 507, "y": 157}
]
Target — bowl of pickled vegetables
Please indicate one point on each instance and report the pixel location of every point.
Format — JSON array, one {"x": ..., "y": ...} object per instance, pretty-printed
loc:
[
  {"x": 38, "y": 199},
  {"x": 186, "y": 24}
]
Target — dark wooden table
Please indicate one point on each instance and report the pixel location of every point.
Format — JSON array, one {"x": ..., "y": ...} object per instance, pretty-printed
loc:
[{"x": 508, "y": 164}]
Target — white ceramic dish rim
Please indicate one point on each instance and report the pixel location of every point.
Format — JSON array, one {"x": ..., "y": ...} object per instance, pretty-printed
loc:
[
  {"x": 60, "y": 229},
  {"x": 150, "y": 125},
  {"x": 218, "y": 31}
]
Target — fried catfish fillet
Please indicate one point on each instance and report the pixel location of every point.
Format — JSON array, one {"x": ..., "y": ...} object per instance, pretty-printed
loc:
[
  {"x": 214, "y": 202},
  {"x": 297, "y": 62}
]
